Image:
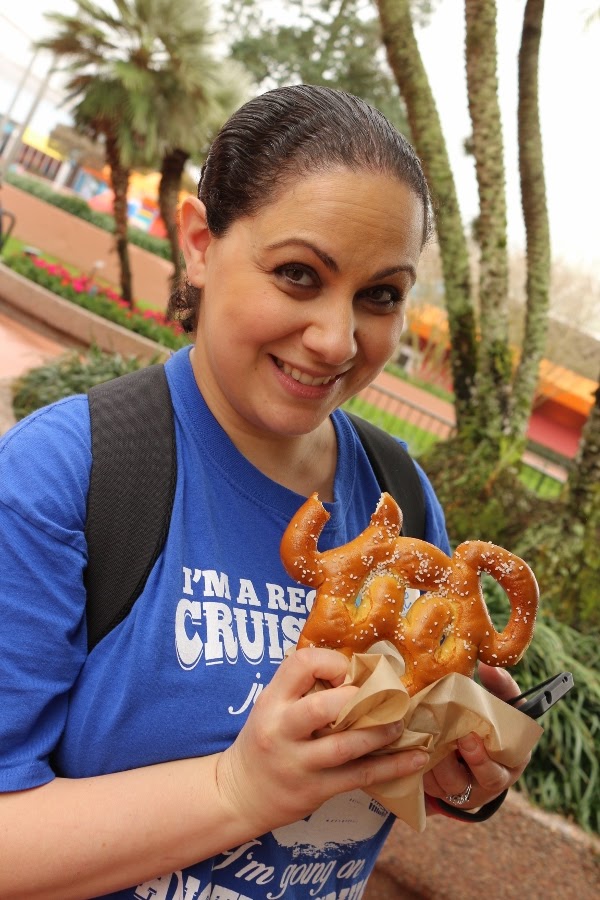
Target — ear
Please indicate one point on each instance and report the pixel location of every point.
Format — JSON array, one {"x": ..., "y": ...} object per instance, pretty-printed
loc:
[{"x": 195, "y": 239}]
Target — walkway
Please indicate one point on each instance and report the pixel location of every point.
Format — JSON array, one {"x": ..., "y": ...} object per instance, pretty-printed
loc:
[{"x": 21, "y": 348}]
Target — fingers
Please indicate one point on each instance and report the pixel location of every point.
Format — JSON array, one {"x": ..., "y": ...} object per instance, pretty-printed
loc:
[
  {"x": 298, "y": 672},
  {"x": 489, "y": 775},
  {"x": 367, "y": 771},
  {"x": 498, "y": 682},
  {"x": 280, "y": 768},
  {"x": 448, "y": 777},
  {"x": 338, "y": 748},
  {"x": 318, "y": 710},
  {"x": 453, "y": 774}
]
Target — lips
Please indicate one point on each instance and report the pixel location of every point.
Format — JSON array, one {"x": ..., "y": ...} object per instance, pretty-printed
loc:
[{"x": 303, "y": 377}]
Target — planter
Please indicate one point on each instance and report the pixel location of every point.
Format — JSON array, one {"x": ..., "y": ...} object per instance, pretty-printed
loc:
[{"x": 67, "y": 318}]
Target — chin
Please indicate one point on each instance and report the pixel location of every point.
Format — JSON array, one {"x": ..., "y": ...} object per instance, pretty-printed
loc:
[{"x": 295, "y": 425}]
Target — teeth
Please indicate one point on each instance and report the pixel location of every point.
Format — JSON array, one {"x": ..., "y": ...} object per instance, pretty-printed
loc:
[{"x": 302, "y": 377}]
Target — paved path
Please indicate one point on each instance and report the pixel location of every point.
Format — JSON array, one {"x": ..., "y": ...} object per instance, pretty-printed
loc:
[
  {"x": 418, "y": 396},
  {"x": 21, "y": 348}
]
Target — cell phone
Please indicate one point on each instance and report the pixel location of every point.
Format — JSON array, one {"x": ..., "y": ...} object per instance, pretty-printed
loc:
[{"x": 541, "y": 697}]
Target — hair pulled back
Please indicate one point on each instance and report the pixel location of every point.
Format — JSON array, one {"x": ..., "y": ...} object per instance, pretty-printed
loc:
[{"x": 282, "y": 135}]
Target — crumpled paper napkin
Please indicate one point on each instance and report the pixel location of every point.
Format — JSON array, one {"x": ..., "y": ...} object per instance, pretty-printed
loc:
[{"x": 434, "y": 720}]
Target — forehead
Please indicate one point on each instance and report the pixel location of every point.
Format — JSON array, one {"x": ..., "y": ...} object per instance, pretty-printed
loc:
[{"x": 348, "y": 209}]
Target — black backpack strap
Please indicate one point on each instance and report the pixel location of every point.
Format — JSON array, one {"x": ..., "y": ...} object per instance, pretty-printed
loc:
[
  {"x": 396, "y": 473},
  {"x": 132, "y": 488}
]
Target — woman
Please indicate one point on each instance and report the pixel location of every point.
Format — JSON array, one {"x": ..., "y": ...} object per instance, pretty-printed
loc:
[{"x": 193, "y": 761}]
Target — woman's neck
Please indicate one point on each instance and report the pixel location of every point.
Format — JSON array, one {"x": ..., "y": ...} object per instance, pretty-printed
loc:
[{"x": 304, "y": 463}]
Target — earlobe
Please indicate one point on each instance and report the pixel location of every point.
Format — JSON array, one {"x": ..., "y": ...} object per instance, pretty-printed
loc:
[{"x": 195, "y": 238}]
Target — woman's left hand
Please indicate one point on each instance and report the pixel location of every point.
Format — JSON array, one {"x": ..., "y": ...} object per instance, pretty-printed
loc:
[{"x": 472, "y": 763}]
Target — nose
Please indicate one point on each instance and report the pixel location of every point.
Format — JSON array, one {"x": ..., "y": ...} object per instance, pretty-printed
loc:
[{"x": 330, "y": 332}]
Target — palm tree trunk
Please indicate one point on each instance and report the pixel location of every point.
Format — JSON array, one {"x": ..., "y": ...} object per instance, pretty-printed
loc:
[
  {"x": 119, "y": 176},
  {"x": 584, "y": 479},
  {"x": 168, "y": 199},
  {"x": 495, "y": 371},
  {"x": 535, "y": 214},
  {"x": 426, "y": 132}
]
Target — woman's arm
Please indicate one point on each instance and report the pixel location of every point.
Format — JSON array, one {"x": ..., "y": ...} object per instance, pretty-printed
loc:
[{"x": 77, "y": 838}]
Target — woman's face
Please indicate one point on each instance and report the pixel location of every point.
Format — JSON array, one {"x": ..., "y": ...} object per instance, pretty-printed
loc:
[{"x": 303, "y": 303}]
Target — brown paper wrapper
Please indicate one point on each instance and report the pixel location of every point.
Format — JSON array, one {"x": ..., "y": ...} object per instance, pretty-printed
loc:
[{"x": 434, "y": 720}]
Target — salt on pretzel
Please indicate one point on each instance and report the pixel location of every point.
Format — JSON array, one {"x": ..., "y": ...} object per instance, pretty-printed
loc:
[{"x": 360, "y": 589}]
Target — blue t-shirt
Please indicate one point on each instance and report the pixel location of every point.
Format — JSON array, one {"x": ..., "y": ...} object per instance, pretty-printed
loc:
[{"x": 178, "y": 677}]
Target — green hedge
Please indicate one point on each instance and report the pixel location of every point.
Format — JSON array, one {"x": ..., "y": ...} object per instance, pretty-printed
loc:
[
  {"x": 72, "y": 373},
  {"x": 104, "y": 303},
  {"x": 78, "y": 207},
  {"x": 564, "y": 773}
]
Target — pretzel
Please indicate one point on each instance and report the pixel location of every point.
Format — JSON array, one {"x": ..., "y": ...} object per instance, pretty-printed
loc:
[{"x": 360, "y": 590}]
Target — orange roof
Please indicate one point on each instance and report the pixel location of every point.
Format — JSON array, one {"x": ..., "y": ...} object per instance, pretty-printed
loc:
[{"x": 566, "y": 387}]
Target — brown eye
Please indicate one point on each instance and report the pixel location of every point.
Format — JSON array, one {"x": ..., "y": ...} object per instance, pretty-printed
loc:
[
  {"x": 384, "y": 296},
  {"x": 297, "y": 275}
]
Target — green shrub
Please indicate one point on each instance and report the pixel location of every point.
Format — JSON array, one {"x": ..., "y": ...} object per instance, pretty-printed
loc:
[
  {"x": 564, "y": 773},
  {"x": 70, "y": 374}
]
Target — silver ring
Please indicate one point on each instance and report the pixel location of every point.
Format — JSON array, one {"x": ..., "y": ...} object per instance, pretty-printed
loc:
[{"x": 460, "y": 799}]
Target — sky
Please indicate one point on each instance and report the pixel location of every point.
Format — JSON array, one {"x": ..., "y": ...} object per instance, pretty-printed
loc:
[{"x": 569, "y": 83}]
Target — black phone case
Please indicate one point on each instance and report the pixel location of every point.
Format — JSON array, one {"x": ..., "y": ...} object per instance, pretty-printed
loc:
[{"x": 540, "y": 698}]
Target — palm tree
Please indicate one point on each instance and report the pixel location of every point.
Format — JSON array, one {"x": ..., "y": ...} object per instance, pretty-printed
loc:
[
  {"x": 142, "y": 77},
  {"x": 535, "y": 214},
  {"x": 493, "y": 400},
  {"x": 191, "y": 103},
  {"x": 426, "y": 131}
]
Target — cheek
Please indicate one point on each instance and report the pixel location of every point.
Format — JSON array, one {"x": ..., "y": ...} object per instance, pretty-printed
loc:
[{"x": 380, "y": 337}]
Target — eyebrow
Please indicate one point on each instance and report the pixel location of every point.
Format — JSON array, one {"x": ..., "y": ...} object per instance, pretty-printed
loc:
[{"x": 331, "y": 264}]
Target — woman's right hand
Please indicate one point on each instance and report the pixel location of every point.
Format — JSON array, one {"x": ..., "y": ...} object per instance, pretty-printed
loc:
[
  {"x": 285, "y": 763},
  {"x": 126, "y": 828}
]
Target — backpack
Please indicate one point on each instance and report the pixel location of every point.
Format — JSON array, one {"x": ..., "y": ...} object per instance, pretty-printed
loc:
[{"x": 132, "y": 488}]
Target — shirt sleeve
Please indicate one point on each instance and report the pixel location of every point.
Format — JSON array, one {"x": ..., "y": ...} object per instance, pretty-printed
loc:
[{"x": 44, "y": 475}]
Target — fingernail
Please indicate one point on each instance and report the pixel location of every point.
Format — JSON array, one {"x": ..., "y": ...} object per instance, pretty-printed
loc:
[
  {"x": 468, "y": 743},
  {"x": 397, "y": 727},
  {"x": 419, "y": 759}
]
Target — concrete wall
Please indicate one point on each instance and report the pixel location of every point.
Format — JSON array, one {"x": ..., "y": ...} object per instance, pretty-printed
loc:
[
  {"x": 80, "y": 244},
  {"x": 30, "y": 300}
]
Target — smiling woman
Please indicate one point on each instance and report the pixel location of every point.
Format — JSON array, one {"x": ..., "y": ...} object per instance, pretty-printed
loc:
[{"x": 186, "y": 753}]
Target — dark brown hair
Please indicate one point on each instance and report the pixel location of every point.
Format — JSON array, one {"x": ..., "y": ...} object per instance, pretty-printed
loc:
[{"x": 282, "y": 135}]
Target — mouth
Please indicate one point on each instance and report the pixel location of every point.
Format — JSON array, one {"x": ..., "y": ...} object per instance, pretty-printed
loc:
[{"x": 304, "y": 377}]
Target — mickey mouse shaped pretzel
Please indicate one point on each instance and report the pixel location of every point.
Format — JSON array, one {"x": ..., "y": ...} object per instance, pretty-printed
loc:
[{"x": 360, "y": 589}]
